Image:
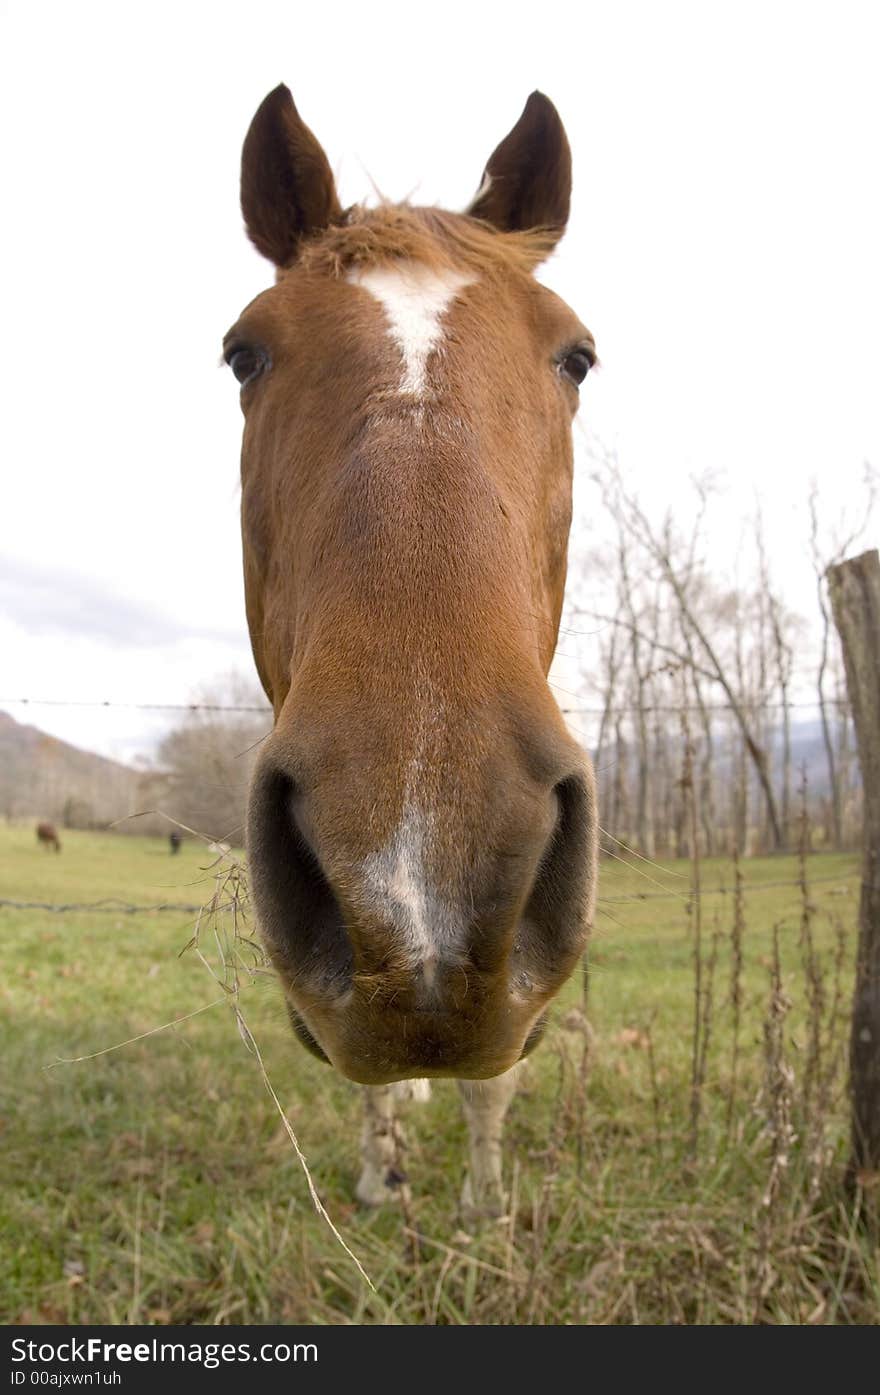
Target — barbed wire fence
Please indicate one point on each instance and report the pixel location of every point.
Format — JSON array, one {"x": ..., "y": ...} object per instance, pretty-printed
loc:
[
  {"x": 264, "y": 709},
  {"x": 113, "y": 906},
  {"x": 578, "y": 709}
]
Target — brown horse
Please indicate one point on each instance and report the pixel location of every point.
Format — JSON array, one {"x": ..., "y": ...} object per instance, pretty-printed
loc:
[
  {"x": 422, "y": 827},
  {"x": 47, "y": 835}
]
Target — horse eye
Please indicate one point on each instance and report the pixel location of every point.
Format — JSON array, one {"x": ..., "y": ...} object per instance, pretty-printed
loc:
[
  {"x": 576, "y": 365},
  {"x": 247, "y": 363}
]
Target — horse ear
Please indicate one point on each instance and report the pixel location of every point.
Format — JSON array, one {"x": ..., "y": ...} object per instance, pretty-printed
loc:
[
  {"x": 527, "y": 181},
  {"x": 287, "y": 186}
]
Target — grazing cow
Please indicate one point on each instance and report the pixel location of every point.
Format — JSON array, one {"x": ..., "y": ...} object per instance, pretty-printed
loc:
[
  {"x": 175, "y": 839},
  {"x": 47, "y": 835},
  {"x": 421, "y": 825}
]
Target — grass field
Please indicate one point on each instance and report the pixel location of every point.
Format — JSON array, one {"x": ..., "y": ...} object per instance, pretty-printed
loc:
[{"x": 155, "y": 1183}]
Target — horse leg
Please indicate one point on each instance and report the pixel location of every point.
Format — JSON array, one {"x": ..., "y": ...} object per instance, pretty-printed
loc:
[
  {"x": 383, "y": 1141},
  {"x": 485, "y": 1103}
]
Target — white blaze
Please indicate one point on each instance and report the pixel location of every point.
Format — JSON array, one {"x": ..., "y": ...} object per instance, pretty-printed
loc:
[
  {"x": 397, "y": 882},
  {"x": 398, "y": 888},
  {"x": 398, "y": 885},
  {"x": 415, "y": 298}
]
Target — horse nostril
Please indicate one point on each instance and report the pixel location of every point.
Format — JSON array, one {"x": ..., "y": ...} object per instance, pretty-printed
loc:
[
  {"x": 297, "y": 909},
  {"x": 554, "y": 928}
]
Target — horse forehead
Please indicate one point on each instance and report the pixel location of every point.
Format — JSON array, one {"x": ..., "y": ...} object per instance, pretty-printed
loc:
[{"x": 415, "y": 299}]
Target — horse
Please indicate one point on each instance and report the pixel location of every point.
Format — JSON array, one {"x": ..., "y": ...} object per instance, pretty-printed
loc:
[
  {"x": 174, "y": 841},
  {"x": 47, "y": 835},
  {"x": 421, "y": 825}
]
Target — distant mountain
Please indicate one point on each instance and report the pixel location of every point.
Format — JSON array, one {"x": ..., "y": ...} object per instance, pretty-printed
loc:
[
  {"x": 808, "y": 753},
  {"x": 43, "y": 776}
]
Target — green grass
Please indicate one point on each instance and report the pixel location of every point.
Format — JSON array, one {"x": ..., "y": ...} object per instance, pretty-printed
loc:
[{"x": 155, "y": 1183}]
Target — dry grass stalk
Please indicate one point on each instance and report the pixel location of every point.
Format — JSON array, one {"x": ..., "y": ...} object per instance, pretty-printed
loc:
[
  {"x": 737, "y": 931},
  {"x": 776, "y": 1104},
  {"x": 655, "y": 1088},
  {"x": 812, "y": 1102},
  {"x": 835, "y": 1045},
  {"x": 583, "y": 1074},
  {"x": 695, "y": 911},
  {"x": 239, "y": 954},
  {"x": 706, "y": 1010},
  {"x": 813, "y": 974}
]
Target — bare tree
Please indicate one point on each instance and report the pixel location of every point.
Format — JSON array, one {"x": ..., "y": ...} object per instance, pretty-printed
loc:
[
  {"x": 207, "y": 760},
  {"x": 781, "y": 624},
  {"x": 667, "y": 612},
  {"x": 641, "y": 655},
  {"x": 660, "y": 548}
]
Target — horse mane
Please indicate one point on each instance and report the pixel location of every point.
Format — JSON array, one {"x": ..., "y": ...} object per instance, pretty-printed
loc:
[{"x": 432, "y": 236}]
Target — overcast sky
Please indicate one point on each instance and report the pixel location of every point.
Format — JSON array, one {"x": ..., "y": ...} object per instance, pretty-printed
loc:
[{"x": 723, "y": 248}]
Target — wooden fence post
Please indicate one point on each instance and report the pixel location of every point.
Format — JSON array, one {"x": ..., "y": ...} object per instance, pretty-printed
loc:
[{"x": 854, "y": 587}]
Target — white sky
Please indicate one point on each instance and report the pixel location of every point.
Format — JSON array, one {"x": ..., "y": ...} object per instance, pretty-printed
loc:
[{"x": 723, "y": 248}]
